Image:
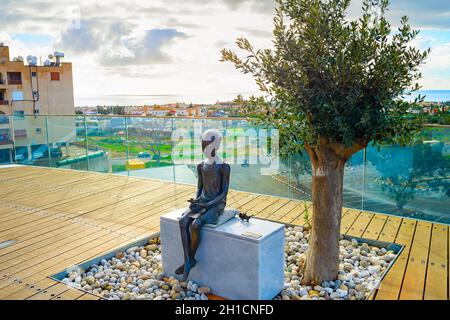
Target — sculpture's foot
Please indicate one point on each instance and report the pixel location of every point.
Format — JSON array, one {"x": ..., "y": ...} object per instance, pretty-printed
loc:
[
  {"x": 180, "y": 269},
  {"x": 187, "y": 269}
]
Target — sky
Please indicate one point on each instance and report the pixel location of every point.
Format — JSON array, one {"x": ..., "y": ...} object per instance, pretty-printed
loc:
[{"x": 159, "y": 51}]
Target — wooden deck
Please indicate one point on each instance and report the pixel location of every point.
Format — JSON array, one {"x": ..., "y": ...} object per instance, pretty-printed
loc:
[{"x": 59, "y": 218}]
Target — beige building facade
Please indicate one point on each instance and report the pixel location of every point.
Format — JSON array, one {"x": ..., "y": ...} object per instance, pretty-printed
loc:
[{"x": 27, "y": 94}]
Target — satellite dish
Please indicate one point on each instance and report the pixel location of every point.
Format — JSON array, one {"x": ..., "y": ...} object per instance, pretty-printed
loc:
[
  {"x": 32, "y": 60},
  {"x": 50, "y": 56},
  {"x": 20, "y": 58},
  {"x": 47, "y": 63}
]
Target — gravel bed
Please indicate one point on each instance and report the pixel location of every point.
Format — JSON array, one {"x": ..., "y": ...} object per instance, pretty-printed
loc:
[{"x": 136, "y": 274}]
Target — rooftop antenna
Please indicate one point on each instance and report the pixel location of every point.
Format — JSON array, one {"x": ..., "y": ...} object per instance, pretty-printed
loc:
[{"x": 58, "y": 55}]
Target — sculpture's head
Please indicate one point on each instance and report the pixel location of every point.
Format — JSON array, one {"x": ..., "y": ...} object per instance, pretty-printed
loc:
[{"x": 211, "y": 142}]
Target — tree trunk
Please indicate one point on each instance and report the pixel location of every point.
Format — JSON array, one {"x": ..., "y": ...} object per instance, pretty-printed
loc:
[
  {"x": 322, "y": 258},
  {"x": 400, "y": 205}
]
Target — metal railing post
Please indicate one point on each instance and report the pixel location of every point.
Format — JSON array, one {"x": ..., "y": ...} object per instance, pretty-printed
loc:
[
  {"x": 173, "y": 156},
  {"x": 86, "y": 143},
  {"x": 364, "y": 178},
  {"x": 127, "y": 147},
  {"x": 48, "y": 142}
]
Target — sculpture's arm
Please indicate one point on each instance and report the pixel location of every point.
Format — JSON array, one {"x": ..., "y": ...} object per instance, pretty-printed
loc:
[
  {"x": 199, "y": 182},
  {"x": 225, "y": 185}
]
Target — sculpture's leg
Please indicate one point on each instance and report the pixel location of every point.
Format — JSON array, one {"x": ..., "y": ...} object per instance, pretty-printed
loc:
[
  {"x": 185, "y": 222},
  {"x": 195, "y": 228},
  {"x": 195, "y": 236}
]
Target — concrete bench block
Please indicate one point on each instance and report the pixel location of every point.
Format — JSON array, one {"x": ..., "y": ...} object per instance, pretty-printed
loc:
[{"x": 232, "y": 260}]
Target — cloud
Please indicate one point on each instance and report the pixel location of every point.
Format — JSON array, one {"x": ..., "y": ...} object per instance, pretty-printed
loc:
[
  {"x": 160, "y": 46},
  {"x": 220, "y": 43},
  {"x": 148, "y": 49},
  {"x": 174, "y": 22},
  {"x": 81, "y": 40},
  {"x": 256, "y": 32},
  {"x": 264, "y": 6}
]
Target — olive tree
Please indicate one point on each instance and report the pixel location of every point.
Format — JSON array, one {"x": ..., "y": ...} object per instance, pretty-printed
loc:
[{"x": 331, "y": 86}]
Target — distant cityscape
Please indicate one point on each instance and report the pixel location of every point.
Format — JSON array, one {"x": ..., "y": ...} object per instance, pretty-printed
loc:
[
  {"x": 437, "y": 112},
  {"x": 180, "y": 109}
]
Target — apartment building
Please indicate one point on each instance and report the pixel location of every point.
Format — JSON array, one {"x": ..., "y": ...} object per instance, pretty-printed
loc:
[
  {"x": 174, "y": 110},
  {"x": 28, "y": 91}
]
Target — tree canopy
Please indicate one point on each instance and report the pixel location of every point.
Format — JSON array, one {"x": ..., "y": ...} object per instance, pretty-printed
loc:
[{"x": 328, "y": 78}]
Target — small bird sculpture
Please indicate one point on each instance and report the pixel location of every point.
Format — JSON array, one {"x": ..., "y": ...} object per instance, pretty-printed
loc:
[{"x": 244, "y": 217}]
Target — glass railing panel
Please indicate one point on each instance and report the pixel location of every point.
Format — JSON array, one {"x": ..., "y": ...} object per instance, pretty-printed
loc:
[
  {"x": 30, "y": 137},
  {"x": 411, "y": 181},
  {"x": 245, "y": 147},
  {"x": 186, "y": 151},
  {"x": 107, "y": 146},
  {"x": 67, "y": 141},
  {"x": 150, "y": 148},
  {"x": 300, "y": 176},
  {"x": 354, "y": 181},
  {"x": 6, "y": 142}
]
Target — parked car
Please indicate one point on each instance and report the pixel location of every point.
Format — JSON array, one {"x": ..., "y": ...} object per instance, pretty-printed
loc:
[
  {"x": 38, "y": 154},
  {"x": 143, "y": 155},
  {"x": 20, "y": 156},
  {"x": 55, "y": 152}
]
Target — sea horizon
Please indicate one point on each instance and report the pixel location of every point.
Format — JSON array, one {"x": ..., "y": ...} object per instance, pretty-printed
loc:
[{"x": 151, "y": 99}]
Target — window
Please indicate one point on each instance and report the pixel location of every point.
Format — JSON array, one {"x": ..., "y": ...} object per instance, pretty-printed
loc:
[
  {"x": 17, "y": 95},
  {"x": 54, "y": 76},
  {"x": 33, "y": 74},
  {"x": 19, "y": 114},
  {"x": 14, "y": 78},
  {"x": 38, "y": 130}
]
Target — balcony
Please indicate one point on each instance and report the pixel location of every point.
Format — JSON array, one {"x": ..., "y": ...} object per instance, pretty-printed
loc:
[{"x": 5, "y": 139}]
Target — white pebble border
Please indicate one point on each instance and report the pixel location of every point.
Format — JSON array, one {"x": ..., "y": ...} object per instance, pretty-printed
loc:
[
  {"x": 360, "y": 269},
  {"x": 136, "y": 274}
]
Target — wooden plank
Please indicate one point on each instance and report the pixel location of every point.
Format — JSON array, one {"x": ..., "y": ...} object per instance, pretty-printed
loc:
[
  {"x": 360, "y": 224},
  {"x": 297, "y": 212},
  {"x": 282, "y": 211},
  {"x": 414, "y": 280},
  {"x": 269, "y": 210},
  {"x": 348, "y": 219},
  {"x": 391, "y": 284},
  {"x": 88, "y": 296},
  {"x": 71, "y": 294},
  {"x": 25, "y": 289},
  {"x": 390, "y": 229},
  {"x": 437, "y": 270},
  {"x": 50, "y": 292},
  {"x": 375, "y": 227}
]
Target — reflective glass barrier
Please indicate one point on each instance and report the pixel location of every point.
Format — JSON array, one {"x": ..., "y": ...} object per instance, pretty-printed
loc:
[{"x": 411, "y": 181}]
